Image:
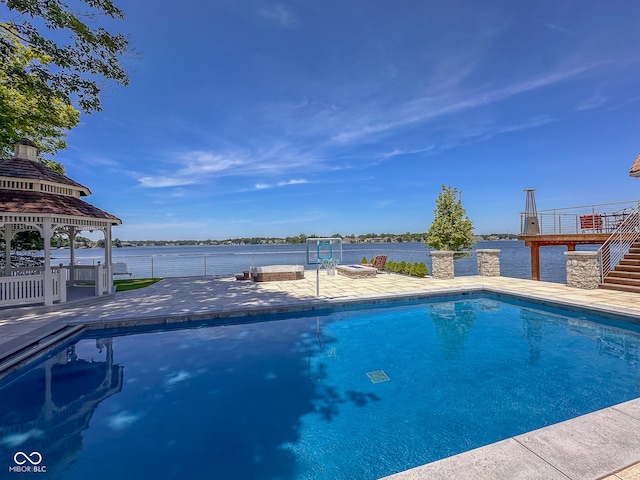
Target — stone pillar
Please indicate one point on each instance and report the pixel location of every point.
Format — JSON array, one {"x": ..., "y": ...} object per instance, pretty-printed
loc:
[
  {"x": 488, "y": 262},
  {"x": 442, "y": 264},
  {"x": 583, "y": 269}
]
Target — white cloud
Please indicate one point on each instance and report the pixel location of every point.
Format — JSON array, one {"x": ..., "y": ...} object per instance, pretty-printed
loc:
[
  {"x": 280, "y": 15},
  {"x": 161, "y": 181},
  {"x": 295, "y": 181}
]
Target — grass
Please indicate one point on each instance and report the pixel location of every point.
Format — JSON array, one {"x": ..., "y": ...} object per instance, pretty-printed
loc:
[{"x": 134, "y": 283}]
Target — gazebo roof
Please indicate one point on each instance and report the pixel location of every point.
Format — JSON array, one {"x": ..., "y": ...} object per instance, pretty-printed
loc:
[
  {"x": 635, "y": 168},
  {"x": 49, "y": 204},
  {"x": 31, "y": 189},
  {"x": 28, "y": 169}
]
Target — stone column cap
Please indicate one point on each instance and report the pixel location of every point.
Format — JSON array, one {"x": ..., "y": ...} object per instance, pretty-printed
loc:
[
  {"x": 488, "y": 250},
  {"x": 581, "y": 254},
  {"x": 441, "y": 253}
]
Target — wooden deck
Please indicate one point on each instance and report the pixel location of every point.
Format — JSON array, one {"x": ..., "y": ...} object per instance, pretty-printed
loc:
[{"x": 570, "y": 240}]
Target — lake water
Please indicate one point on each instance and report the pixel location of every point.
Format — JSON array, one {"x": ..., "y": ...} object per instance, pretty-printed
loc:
[{"x": 180, "y": 261}]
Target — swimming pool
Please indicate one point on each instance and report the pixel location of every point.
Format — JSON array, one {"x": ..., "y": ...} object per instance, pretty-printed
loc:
[{"x": 352, "y": 393}]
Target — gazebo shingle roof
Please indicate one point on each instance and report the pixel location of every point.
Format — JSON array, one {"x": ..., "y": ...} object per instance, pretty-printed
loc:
[
  {"x": 21, "y": 168},
  {"x": 635, "y": 168},
  {"x": 50, "y": 204}
]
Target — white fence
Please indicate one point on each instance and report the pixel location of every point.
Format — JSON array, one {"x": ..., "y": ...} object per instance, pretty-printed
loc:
[{"x": 27, "y": 289}]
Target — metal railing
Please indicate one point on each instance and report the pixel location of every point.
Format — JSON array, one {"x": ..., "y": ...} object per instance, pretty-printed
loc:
[
  {"x": 207, "y": 264},
  {"x": 596, "y": 218},
  {"x": 617, "y": 246}
]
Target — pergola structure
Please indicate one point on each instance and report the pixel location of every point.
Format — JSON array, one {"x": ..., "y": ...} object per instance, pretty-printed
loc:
[{"x": 34, "y": 197}]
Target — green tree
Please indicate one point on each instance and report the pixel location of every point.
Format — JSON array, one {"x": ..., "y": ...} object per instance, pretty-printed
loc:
[
  {"x": 451, "y": 228},
  {"x": 25, "y": 111},
  {"x": 75, "y": 69}
]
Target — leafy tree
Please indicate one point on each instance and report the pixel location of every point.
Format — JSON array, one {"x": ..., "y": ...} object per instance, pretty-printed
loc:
[
  {"x": 451, "y": 228},
  {"x": 75, "y": 68},
  {"x": 25, "y": 111}
]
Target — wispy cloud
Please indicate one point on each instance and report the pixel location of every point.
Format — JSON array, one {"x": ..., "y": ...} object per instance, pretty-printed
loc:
[
  {"x": 592, "y": 102},
  {"x": 398, "y": 152},
  {"x": 295, "y": 181},
  {"x": 281, "y": 15},
  {"x": 430, "y": 108},
  {"x": 196, "y": 167},
  {"x": 553, "y": 26}
]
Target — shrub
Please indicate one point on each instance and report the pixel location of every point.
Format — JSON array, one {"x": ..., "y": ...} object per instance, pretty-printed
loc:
[
  {"x": 363, "y": 261},
  {"x": 407, "y": 268},
  {"x": 419, "y": 269}
]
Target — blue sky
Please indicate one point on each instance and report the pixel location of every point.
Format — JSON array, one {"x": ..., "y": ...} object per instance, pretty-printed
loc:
[{"x": 274, "y": 118}]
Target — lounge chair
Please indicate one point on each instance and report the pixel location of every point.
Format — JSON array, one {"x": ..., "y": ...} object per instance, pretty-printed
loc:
[{"x": 378, "y": 262}]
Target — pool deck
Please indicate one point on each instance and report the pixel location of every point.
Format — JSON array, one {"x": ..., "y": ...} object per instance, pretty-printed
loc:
[{"x": 601, "y": 445}]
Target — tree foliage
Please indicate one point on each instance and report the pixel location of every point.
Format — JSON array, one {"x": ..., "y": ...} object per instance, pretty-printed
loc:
[
  {"x": 75, "y": 67},
  {"x": 25, "y": 111},
  {"x": 451, "y": 228}
]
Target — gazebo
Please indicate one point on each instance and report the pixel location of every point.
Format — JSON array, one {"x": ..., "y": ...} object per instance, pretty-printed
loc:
[{"x": 34, "y": 197}]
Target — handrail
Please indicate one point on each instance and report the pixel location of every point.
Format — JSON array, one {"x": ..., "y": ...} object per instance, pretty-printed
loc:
[
  {"x": 590, "y": 206},
  {"x": 618, "y": 244},
  {"x": 596, "y": 218}
]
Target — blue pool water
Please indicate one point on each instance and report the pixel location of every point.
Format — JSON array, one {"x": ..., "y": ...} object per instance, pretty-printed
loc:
[{"x": 351, "y": 394}]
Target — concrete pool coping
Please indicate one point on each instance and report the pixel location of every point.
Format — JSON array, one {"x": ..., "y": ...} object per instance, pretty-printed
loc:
[{"x": 588, "y": 447}]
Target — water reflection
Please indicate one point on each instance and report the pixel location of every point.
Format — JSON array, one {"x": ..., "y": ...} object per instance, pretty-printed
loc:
[
  {"x": 46, "y": 409},
  {"x": 533, "y": 326},
  {"x": 453, "y": 322}
]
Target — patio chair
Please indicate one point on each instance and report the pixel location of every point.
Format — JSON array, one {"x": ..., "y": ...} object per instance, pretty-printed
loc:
[
  {"x": 592, "y": 222},
  {"x": 378, "y": 262}
]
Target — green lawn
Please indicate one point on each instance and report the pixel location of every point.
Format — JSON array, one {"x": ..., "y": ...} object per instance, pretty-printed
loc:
[{"x": 134, "y": 283}]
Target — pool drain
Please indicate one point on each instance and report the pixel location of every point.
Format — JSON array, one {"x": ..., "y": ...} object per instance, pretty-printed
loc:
[{"x": 378, "y": 376}]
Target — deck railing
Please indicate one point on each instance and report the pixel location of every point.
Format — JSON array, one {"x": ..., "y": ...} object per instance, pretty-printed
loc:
[
  {"x": 619, "y": 243},
  {"x": 596, "y": 218}
]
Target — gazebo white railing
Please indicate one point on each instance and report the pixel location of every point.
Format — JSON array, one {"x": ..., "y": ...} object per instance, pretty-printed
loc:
[{"x": 25, "y": 289}]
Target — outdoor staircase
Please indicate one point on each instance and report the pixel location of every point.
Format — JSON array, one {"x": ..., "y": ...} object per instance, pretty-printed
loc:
[{"x": 626, "y": 275}]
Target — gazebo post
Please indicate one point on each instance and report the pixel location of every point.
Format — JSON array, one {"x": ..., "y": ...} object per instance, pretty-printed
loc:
[
  {"x": 8, "y": 236},
  {"x": 108, "y": 257},
  {"x": 47, "y": 233},
  {"x": 72, "y": 255}
]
